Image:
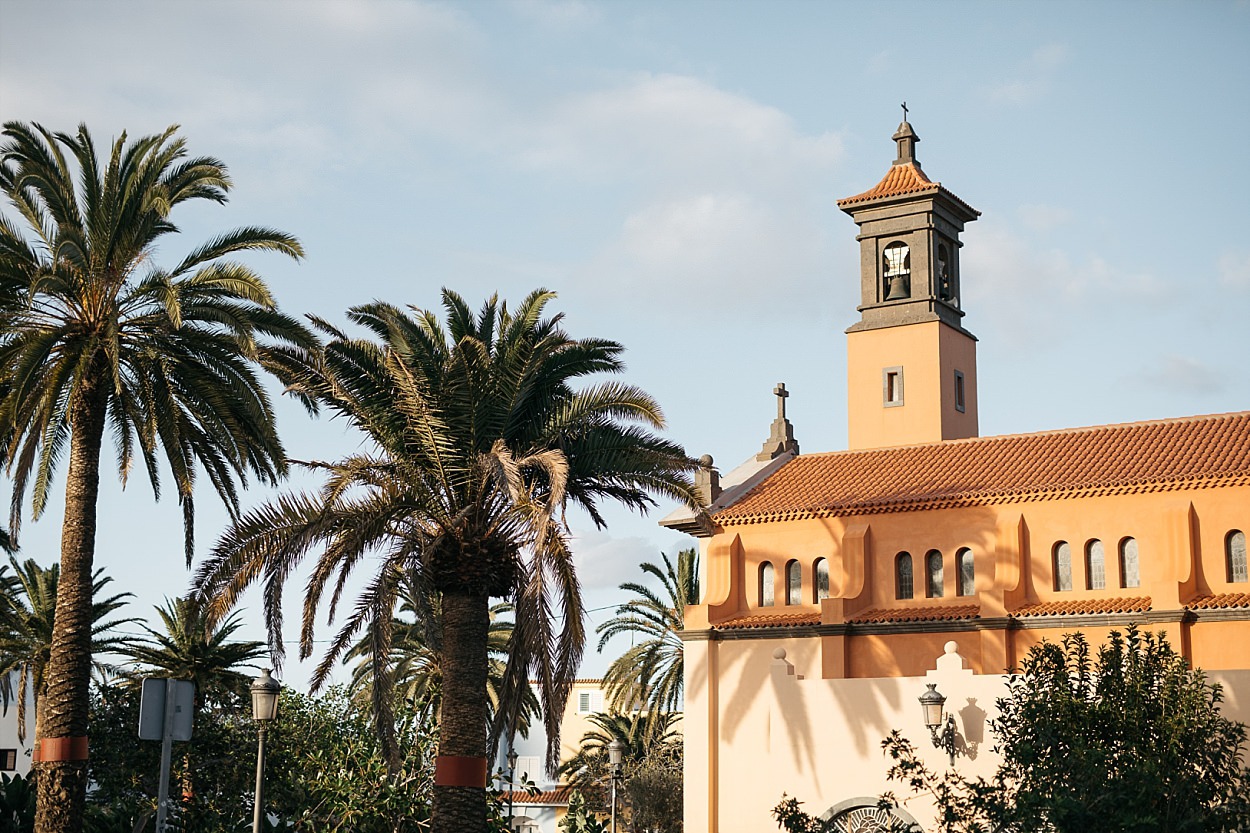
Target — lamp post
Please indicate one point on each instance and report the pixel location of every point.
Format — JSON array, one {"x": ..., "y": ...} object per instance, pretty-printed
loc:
[
  {"x": 264, "y": 709},
  {"x": 512, "y": 756},
  {"x": 616, "y": 753},
  {"x": 933, "y": 703}
]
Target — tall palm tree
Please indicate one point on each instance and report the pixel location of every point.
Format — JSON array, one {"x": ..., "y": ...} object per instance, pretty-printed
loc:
[
  {"x": 27, "y": 622},
  {"x": 414, "y": 659},
  {"x": 480, "y": 440},
  {"x": 649, "y": 674},
  {"x": 95, "y": 337},
  {"x": 193, "y": 649}
]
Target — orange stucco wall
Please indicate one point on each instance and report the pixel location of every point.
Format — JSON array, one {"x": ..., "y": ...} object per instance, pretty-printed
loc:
[
  {"x": 929, "y": 354},
  {"x": 818, "y": 715}
]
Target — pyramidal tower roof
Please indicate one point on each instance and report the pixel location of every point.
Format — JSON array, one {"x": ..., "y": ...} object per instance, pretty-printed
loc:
[{"x": 905, "y": 178}]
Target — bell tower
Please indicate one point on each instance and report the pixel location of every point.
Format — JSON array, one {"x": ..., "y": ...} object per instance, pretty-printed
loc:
[{"x": 911, "y": 366}]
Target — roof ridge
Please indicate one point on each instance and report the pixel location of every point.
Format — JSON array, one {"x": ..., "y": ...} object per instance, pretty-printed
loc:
[{"x": 1080, "y": 429}]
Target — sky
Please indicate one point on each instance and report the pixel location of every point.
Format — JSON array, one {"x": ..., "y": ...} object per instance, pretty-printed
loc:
[{"x": 671, "y": 169}]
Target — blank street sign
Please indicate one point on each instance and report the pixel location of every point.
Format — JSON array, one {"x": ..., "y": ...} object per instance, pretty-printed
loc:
[{"x": 152, "y": 709}]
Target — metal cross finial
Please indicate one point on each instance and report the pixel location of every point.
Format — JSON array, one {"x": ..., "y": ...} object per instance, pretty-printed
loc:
[
  {"x": 904, "y": 111},
  {"x": 781, "y": 393}
]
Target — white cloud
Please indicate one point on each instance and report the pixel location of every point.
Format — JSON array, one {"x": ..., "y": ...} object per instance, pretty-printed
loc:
[
  {"x": 1043, "y": 218},
  {"x": 655, "y": 127},
  {"x": 1033, "y": 78},
  {"x": 604, "y": 561},
  {"x": 1187, "y": 375},
  {"x": 559, "y": 15},
  {"x": 1234, "y": 269}
]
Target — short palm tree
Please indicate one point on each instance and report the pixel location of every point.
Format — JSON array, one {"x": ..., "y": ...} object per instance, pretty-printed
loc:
[
  {"x": 414, "y": 660},
  {"x": 639, "y": 733},
  {"x": 96, "y": 337},
  {"x": 192, "y": 649},
  {"x": 480, "y": 438},
  {"x": 27, "y": 620},
  {"x": 649, "y": 674}
]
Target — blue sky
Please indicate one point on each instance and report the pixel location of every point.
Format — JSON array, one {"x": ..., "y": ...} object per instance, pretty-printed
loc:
[{"x": 671, "y": 169}]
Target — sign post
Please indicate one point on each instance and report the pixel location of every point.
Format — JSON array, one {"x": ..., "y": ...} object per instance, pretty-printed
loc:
[{"x": 166, "y": 710}]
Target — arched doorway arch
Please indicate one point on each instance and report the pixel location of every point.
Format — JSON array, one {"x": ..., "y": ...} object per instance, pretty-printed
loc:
[{"x": 865, "y": 815}]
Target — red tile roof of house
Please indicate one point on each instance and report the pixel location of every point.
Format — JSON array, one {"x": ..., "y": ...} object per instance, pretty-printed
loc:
[
  {"x": 558, "y": 796},
  {"x": 921, "y": 613},
  {"x": 1136, "y": 604},
  {"x": 1164, "y": 455},
  {"x": 771, "y": 620},
  {"x": 902, "y": 180},
  {"x": 1219, "y": 601}
]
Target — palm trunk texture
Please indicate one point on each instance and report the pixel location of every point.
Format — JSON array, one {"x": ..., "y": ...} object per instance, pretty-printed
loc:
[
  {"x": 62, "y": 784},
  {"x": 462, "y": 723}
]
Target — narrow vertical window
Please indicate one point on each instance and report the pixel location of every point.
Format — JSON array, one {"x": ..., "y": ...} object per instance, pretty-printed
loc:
[
  {"x": 934, "y": 578},
  {"x": 1130, "y": 572},
  {"x": 902, "y": 576},
  {"x": 821, "y": 570},
  {"x": 1095, "y": 566},
  {"x": 794, "y": 583},
  {"x": 1235, "y": 554},
  {"x": 959, "y": 392},
  {"x": 892, "y": 386},
  {"x": 766, "y": 584},
  {"x": 967, "y": 572},
  {"x": 1063, "y": 566}
]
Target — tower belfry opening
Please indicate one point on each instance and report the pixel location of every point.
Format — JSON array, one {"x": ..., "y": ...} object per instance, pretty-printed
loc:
[{"x": 910, "y": 310}]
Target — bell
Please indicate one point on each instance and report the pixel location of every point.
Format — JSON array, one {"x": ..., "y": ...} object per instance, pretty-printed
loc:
[{"x": 899, "y": 288}]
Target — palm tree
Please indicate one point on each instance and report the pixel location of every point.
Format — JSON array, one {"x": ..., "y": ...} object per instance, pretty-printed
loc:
[
  {"x": 649, "y": 674},
  {"x": 192, "y": 649},
  {"x": 27, "y": 621},
  {"x": 480, "y": 442},
  {"x": 94, "y": 336},
  {"x": 640, "y": 734},
  {"x": 414, "y": 659}
]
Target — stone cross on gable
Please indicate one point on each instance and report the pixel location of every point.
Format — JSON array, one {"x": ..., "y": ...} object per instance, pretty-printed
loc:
[{"x": 781, "y": 435}]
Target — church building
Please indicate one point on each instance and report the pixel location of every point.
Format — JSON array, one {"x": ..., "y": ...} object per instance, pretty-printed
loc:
[{"x": 842, "y": 586}]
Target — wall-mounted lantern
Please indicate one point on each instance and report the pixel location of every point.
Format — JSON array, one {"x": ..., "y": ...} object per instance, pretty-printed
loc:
[{"x": 941, "y": 725}]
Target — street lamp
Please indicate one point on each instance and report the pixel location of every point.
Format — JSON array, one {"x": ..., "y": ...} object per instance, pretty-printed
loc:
[
  {"x": 941, "y": 726},
  {"x": 512, "y": 756},
  {"x": 264, "y": 709},
  {"x": 616, "y": 753}
]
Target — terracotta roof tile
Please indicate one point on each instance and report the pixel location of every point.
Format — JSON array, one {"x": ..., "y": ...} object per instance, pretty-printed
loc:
[
  {"x": 1164, "y": 455},
  {"x": 902, "y": 180},
  {"x": 924, "y": 613},
  {"x": 559, "y": 795},
  {"x": 1137, "y": 604},
  {"x": 771, "y": 620},
  {"x": 1219, "y": 601}
]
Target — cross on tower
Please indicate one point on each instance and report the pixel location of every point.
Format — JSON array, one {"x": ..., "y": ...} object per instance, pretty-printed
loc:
[
  {"x": 904, "y": 111},
  {"x": 782, "y": 393}
]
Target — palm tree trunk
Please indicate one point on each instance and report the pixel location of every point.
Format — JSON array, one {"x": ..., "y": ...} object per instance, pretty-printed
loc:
[
  {"x": 460, "y": 771},
  {"x": 62, "y": 771}
]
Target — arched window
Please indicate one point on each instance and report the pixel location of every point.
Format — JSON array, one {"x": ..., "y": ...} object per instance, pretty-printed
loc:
[
  {"x": 1235, "y": 555},
  {"x": 903, "y": 576},
  {"x": 967, "y": 572},
  {"x": 821, "y": 570},
  {"x": 1130, "y": 572},
  {"x": 1095, "y": 566},
  {"x": 766, "y": 584},
  {"x": 1063, "y": 566},
  {"x": 794, "y": 583},
  {"x": 933, "y": 575},
  {"x": 944, "y": 273},
  {"x": 896, "y": 271}
]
